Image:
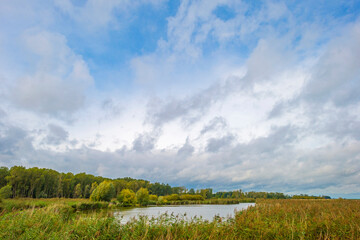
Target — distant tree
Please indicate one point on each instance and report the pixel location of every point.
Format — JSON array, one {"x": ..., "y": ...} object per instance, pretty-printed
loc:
[
  {"x": 191, "y": 191},
  {"x": 127, "y": 197},
  {"x": 119, "y": 185},
  {"x": 206, "y": 193},
  {"x": 5, "y": 192},
  {"x": 160, "y": 189},
  {"x": 178, "y": 190},
  {"x": 142, "y": 196},
  {"x": 78, "y": 191},
  {"x": 104, "y": 192}
]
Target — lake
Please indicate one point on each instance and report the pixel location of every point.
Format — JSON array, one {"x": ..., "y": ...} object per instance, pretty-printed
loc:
[{"x": 206, "y": 212}]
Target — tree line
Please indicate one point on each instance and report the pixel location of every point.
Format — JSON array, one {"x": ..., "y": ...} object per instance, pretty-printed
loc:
[{"x": 18, "y": 182}]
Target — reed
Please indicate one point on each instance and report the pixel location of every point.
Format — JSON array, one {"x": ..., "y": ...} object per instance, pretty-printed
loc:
[{"x": 269, "y": 219}]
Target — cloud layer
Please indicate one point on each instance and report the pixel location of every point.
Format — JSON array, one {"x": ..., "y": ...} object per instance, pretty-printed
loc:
[{"x": 227, "y": 94}]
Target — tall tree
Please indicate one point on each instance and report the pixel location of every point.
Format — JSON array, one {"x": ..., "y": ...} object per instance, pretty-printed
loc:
[
  {"x": 142, "y": 196},
  {"x": 4, "y": 172},
  {"x": 104, "y": 192},
  {"x": 78, "y": 191}
]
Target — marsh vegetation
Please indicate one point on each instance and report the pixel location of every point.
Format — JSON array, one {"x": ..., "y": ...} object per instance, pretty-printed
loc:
[{"x": 268, "y": 219}]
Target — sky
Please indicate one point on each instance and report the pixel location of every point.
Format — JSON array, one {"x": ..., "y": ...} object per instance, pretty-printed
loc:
[{"x": 227, "y": 94}]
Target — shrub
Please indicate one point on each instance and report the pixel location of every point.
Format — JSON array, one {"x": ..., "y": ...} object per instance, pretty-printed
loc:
[
  {"x": 172, "y": 197},
  {"x": 191, "y": 197}
]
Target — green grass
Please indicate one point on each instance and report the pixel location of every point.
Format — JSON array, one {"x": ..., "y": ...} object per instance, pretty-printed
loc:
[
  {"x": 80, "y": 204},
  {"x": 269, "y": 219}
]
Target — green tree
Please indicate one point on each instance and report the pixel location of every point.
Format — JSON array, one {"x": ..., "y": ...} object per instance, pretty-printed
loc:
[
  {"x": 127, "y": 197},
  {"x": 93, "y": 186},
  {"x": 77, "y": 191},
  {"x": 161, "y": 200},
  {"x": 153, "y": 197},
  {"x": 4, "y": 172},
  {"x": 104, "y": 192},
  {"x": 206, "y": 193},
  {"x": 87, "y": 191},
  {"x": 5, "y": 192},
  {"x": 142, "y": 196}
]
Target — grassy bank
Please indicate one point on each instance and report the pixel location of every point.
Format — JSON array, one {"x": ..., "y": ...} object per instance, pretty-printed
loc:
[
  {"x": 9, "y": 205},
  {"x": 269, "y": 219}
]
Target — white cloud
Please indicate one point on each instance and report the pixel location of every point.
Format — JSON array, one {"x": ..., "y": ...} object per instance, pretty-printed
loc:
[{"x": 61, "y": 77}]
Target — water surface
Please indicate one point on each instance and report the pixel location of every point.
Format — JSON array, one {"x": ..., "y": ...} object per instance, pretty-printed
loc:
[{"x": 206, "y": 212}]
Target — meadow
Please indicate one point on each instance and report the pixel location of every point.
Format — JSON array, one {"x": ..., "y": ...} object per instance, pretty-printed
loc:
[{"x": 269, "y": 219}]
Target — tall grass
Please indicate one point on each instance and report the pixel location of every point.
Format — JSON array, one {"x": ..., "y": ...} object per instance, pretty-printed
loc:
[
  {"x": 26, "y": 203},
  {"x": 269, "y": 219}
]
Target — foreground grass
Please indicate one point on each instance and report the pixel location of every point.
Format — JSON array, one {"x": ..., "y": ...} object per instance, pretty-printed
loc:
[{"x": 269, "y": 219}]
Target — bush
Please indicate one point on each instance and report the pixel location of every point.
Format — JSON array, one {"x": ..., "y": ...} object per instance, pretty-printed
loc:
[
  {"x": 191, "y": 197},
  {"x": 172, "y": 197}
]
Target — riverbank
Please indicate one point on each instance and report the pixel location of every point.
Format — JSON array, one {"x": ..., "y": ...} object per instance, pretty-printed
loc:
[
  {"x": 269, "y": 219},
  {"x": 81, "y": 204}
]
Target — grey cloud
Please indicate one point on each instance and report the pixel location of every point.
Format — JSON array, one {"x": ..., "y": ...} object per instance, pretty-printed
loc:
[
  {"x": 11, "y": 140},
  {"x": 189, "y": 109},
  {"x": 56, "y": 135},
  {"x": 338, "y": 124},
  {"x": 15, "y": 146},
  {"x": 144, "y": 142},
  {"x": 186, "y": 150},
  {"x": 215, "y": 124},
  {"x": 216, "y": 144},
  {"x": 111, "y": 108},
  {"x": 279, "y": 137},
  {"x": 2, "y": 113},
  {"x": 270, "y": 163},
  {"x": 278, "y": 110}
]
